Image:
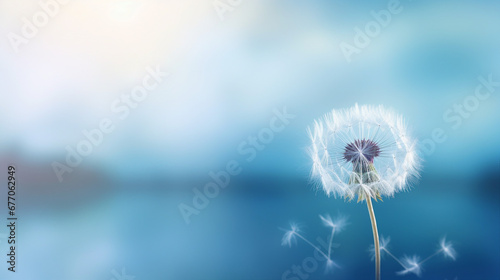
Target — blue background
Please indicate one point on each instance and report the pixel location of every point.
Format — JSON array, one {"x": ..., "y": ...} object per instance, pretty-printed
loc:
[{"x": 119, "y": 209}]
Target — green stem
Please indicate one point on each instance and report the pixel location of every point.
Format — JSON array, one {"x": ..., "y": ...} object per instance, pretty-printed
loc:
[{"x": 375, "y": 236}]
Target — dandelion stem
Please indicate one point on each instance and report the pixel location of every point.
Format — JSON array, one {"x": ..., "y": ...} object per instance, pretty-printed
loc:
[
  {"x": 312, "y": 245},
  {"x": 375, "y": 236}
]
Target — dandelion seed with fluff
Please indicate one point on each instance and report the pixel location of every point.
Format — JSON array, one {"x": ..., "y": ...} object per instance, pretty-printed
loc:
[
  {"x": 336, "y": 226},
  {"x": 363, "y": 151},
  {"x": 413, "y": 264}
]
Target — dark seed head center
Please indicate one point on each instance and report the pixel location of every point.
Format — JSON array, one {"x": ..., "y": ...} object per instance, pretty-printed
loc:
[{"x": 361, "y": 151}]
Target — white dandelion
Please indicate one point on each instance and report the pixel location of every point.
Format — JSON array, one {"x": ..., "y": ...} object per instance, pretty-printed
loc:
[{"x": 363, "y": 151}]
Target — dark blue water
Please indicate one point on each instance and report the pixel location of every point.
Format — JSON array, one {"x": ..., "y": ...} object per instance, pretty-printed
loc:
[{"x": 139, "y": 228}]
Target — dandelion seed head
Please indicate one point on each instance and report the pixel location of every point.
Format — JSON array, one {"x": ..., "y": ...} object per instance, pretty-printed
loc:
[
  {"x": 447, "y": 249},
  {"x": 362, "y": 150},
  {"x": 411, "y": 265}
]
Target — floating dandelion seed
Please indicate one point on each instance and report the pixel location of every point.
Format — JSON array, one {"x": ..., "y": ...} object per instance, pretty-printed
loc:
[
  {"x": 384, "y": 246},
  {"x": 364, "y": 151},
  {"x": 384, "y": 243},
  {"x": 413, "y": 264},
  {"x": 290, "y": 235},
  {"x": 337, "y": 225},
  {"x": 447, "y": 249}
]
